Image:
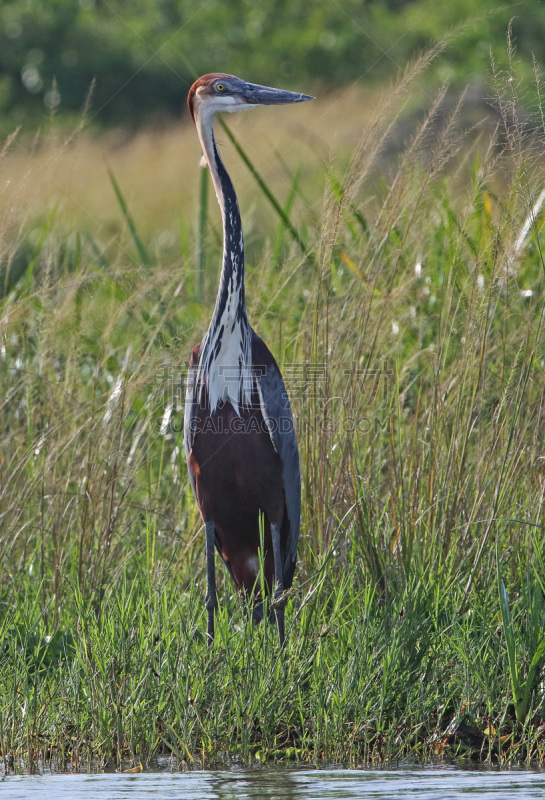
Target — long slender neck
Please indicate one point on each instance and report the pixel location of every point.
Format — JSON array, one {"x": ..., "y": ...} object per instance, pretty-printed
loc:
[
  {"x": 231, "y": 285},
  {"x": 225, "y": 361}
]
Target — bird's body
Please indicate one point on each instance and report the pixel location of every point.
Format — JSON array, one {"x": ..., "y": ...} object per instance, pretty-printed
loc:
[
  {"x": 238, "y": 474},
  {"x": 239, "y": 437}
]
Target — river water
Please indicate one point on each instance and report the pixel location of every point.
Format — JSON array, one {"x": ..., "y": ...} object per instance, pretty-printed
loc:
[{"x": 424, "y": 783}]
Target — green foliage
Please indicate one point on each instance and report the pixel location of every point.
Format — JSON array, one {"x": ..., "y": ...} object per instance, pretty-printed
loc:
[{"x": 141, "y": 57}]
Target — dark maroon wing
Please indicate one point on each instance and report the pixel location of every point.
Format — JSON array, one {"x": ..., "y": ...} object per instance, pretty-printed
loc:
[
  {"x": 276, "y": 410},
  {"x": 190, "y": 417}
]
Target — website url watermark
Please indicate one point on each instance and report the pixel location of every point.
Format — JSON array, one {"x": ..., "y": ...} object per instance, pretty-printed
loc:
[{"x": 359, "y": 407}]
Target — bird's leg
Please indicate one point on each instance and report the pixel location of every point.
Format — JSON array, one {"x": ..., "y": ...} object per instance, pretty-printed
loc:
[
  {"x": 278, "y": 583},
  {"x": 211, "y": 595}
]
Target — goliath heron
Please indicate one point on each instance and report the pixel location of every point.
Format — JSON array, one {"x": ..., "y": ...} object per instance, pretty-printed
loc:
[{"x": 238, "y": 429}]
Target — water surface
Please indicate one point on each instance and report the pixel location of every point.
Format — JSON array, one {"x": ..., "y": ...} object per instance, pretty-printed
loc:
[{"x": 425, "y": 783}]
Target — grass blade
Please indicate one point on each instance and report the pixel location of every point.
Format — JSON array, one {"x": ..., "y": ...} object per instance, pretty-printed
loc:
[
  {"x": 287, "y": 209},
  {"x": 201, "y": 231},
  {"x": 265, "y": 189},
  {"x": 142, "y": 252},
  {"x": 511, "y": 649}
]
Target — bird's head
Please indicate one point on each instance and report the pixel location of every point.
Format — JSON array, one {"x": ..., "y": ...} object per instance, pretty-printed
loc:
[{"x": 217, "y": 92}]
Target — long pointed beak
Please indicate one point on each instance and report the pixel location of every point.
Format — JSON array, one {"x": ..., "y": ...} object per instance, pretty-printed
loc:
[{"x": 267, "y": 96}]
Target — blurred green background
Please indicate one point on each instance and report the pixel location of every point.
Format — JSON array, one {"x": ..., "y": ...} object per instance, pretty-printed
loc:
[{"x": 141, "y": 56}]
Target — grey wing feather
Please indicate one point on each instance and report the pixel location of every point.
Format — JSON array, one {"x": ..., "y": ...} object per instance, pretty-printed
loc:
[{"x": 276, "y": 410}]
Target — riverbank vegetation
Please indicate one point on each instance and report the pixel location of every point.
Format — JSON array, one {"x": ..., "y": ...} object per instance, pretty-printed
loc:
[{"x": 400, "y": 284}]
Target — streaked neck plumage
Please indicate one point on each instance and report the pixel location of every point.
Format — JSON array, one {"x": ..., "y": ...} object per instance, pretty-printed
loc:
[{"x": 225, "y": 355}]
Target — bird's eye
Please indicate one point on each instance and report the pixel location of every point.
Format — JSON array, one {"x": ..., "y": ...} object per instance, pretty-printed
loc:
[{"x": 220, "y": 87}]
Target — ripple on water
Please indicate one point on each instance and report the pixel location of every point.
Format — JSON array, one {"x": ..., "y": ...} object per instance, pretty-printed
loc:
[{"x": 424, "y": 783}]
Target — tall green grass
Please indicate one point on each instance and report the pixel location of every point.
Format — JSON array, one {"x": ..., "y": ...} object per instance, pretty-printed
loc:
[{"x": 411, "y": 338}]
